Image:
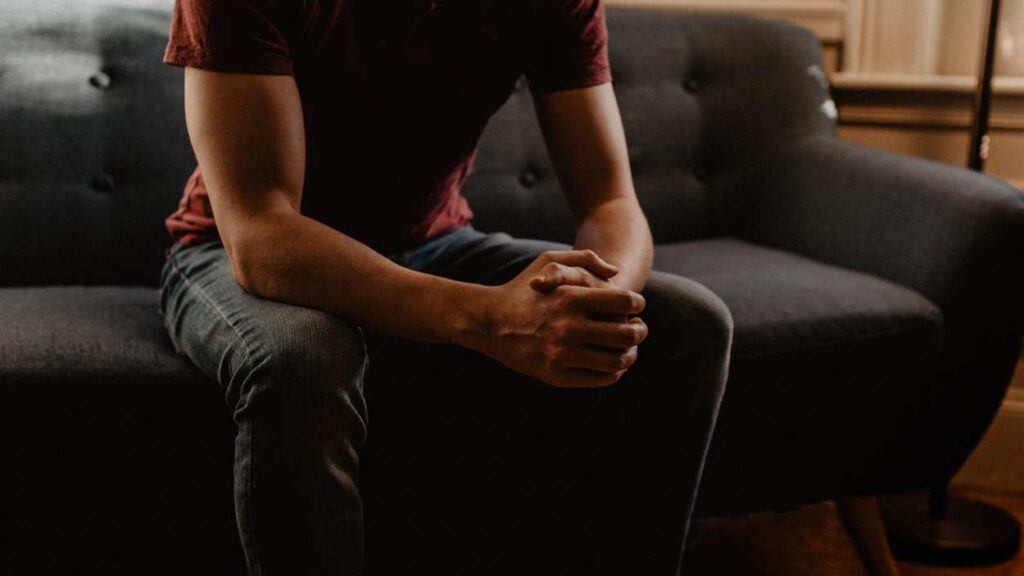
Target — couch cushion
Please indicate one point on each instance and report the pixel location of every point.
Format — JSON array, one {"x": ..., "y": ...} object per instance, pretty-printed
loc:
[
  {"x": 828, "y": 368},
  {"x": 108, "y": 437},
  {"x": 783, "y": 303},
  {"x": 95, "y": 332}
]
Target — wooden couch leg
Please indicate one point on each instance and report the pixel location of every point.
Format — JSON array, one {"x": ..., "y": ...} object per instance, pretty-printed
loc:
[{"x": 864, "y": 524}]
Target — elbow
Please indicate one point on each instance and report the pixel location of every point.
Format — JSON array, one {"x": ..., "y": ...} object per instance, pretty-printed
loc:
[
  {"x": 249, "y": 266},
  {"x": 259, "y": 253},
  {"x": 246, "y": 278}
]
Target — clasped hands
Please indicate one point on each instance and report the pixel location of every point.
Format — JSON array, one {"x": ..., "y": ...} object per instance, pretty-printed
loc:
[{"x": 563, "y": 321}]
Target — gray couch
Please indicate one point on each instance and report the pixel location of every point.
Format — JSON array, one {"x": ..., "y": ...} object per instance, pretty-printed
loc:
[{"x": 876, "y": 299}]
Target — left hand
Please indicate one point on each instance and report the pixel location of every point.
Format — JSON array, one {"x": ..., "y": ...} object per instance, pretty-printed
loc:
[{"x": 555, "y": 274}]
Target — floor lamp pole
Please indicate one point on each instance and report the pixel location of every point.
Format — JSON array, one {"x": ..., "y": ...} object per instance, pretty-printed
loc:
[
  {"x": 937, "y": 528},
  {"x": 983, "y": 92}
]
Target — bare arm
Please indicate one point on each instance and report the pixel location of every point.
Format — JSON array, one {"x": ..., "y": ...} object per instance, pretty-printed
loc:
[
  {"x": 583, "y": 131},
  {"x": 247, "y": 131}
]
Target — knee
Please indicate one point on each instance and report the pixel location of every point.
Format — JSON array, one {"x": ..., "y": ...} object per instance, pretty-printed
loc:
[
  {"x": 688, "y": 317},
  {"x": 305, "y": 363},
  {"x": 315, "y": 348}
]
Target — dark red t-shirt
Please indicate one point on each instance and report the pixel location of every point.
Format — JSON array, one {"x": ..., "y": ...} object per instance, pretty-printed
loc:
[{"x": 395, "y": 95}]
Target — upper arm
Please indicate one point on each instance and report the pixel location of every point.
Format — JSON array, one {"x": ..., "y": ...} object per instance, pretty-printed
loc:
[
  {"x": 570, "y": 77},
  {"x": 241, "y": 104},
  {"x": 587, "y": 144},
  {"x": 248, "y": 135}
]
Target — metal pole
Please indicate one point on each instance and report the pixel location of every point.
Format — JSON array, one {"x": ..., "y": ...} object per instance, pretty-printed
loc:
[{"x": 983, "y": 92}]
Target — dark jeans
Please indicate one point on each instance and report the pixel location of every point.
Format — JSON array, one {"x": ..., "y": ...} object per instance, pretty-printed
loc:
[{"x": 293, "y": 378}]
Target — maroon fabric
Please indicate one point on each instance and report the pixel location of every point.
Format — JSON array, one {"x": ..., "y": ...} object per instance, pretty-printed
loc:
[{"x": 395, "y": 94}]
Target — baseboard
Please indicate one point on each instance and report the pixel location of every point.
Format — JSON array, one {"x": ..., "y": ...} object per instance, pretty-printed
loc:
[{"x": 997, "y": 465}]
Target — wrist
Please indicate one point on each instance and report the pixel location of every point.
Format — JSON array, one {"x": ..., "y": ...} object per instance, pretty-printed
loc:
[{"x": 473, "y": 320}]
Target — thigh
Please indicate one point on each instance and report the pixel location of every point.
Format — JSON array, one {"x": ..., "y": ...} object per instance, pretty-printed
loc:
[
  {"x": 488, "y": 259},
  {"x": 579, "y": 478},
  {"x": 228, "y": 333}
]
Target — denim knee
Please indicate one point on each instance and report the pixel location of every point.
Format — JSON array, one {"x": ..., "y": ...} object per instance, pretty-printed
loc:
[
  {"x": 697, "y": 320},
  {"x": 306, "y": 366}
]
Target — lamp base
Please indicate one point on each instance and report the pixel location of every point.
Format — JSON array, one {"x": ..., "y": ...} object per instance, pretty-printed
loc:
[{"x": 949, "y": 531}]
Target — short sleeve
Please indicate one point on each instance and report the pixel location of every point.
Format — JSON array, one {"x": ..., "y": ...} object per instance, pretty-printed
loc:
[
  {"x": 572, "y": 47},
  {"x": 242, "y": 36}
]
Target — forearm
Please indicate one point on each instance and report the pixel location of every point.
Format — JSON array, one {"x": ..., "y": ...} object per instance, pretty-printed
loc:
[
  {"x": 294, "y": 259},
  {"x": 617, "y": 230}
]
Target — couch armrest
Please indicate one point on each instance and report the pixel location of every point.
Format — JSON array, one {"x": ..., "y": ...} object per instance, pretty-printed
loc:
[{"x": 955, "y": 236}]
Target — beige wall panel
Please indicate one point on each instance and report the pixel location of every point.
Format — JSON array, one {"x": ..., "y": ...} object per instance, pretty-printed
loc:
[
  {"x": 900, "y": 37},
  {"x": 998, "y": 462},
  {"x": 948, "y": 146},
  {"x": 826, "y": 18},
  {"x": 831, "y": 55},
  {"x": 961, "y": 37},
  {"x": 945, "y": 145},
  {"x": 1007, "y": 157}
]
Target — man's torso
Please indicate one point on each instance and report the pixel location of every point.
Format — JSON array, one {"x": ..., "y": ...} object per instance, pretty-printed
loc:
[{"x": 395, "y": 95}]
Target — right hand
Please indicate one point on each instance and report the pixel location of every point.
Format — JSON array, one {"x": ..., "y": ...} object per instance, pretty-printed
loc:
[{"x": 568, "y": 337}]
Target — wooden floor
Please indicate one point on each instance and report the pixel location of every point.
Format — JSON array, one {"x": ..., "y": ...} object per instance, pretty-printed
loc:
[{"x": 806, "y": 542}]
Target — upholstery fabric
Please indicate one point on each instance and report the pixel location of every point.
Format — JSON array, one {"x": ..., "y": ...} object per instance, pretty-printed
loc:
[
  {"x": 815, "y": 349},
  {"x": 95, "y": 332},
  {"x": 703, "y": 98},
  {"x": 950, "y": 234},
  {"x": 94, "y": 151},
  {"x": 117, "y": 454},
  {"x": 784, "y": 304}
]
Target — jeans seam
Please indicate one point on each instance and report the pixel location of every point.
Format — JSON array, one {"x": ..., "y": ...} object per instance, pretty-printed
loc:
[
  {"x": 213, "y": 306},
  {"x": 251, "y": 433}
]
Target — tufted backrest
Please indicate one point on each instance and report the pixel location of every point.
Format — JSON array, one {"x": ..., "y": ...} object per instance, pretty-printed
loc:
[
  {"x": 706, "y": 101},
  {"x": 93, "y": 148},
  {"x": 94, "y": 153}
]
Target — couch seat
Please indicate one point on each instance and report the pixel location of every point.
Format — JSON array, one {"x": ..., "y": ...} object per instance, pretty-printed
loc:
[{"x": 815, "y": 348}]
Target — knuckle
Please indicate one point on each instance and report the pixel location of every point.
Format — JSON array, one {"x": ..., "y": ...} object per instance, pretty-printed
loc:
[
  {"x": 559, "y": 331},
  {"x": 565, "y": 298},
  {"x": 554, "y": 353},
  {"x": 564, "y": 330}
]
